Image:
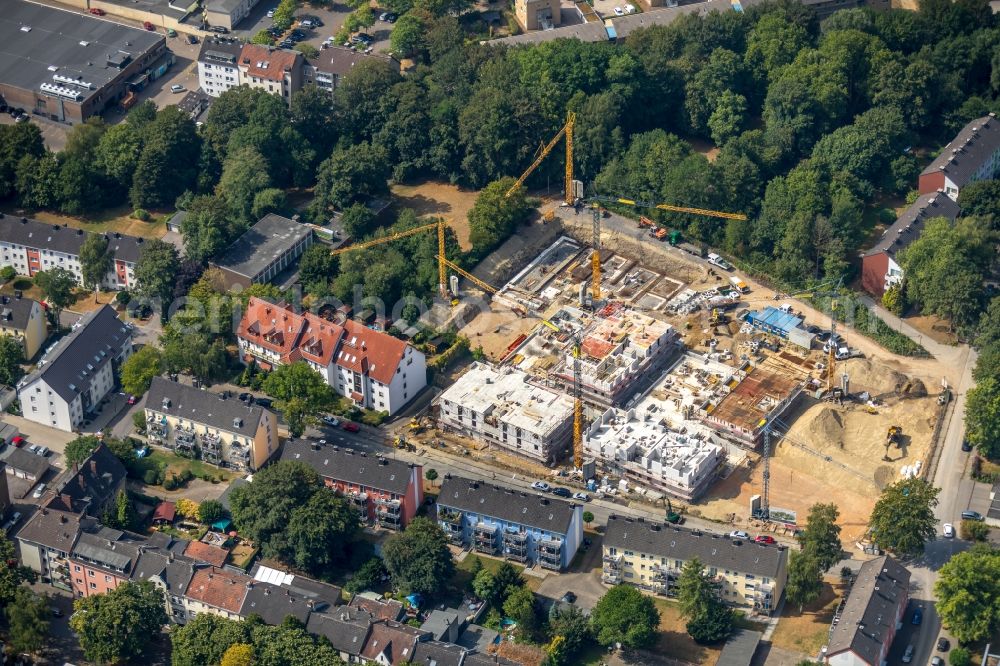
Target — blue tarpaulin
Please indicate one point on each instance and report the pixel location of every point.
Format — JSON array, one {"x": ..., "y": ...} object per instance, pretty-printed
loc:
[{"x": 221, "y": 525}]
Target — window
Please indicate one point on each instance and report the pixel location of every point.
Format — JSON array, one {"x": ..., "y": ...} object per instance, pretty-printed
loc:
[
  {"x": 90, "y": 572},
  {"x": 93, "y": 586},
  {"x": 107, "y": 578},
  {"x": 76, "y": 567}
]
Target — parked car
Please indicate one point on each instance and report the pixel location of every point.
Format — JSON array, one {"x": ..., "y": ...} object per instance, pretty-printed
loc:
[
  {"x": 43, "y": 451},
  {"x": 351, "y": 426},
  {"x": 937, "y": 661},
  {"x": 562, "y": 492},
  {"x": 972, "y": 515},
  {"x": 34, "y": 449},
  {"x": 908, "y": 654},
  {"x": 192, "y": 39},
  {"x": 270, "y": 12},
  {"x": 765, "y": 538},
  {"x": 22, "y": 118},
  {"x": 56, "y": 611},
  {"x": 132, "y": 399},
  {"x": 966, "y": 446},
  {"x": 18, "y": 441},
  {"x": 39, "y": 490},
  {"x": 176, "y": 88},
  {"x": 569, "y": 597},
  {"x": 148, "y": 26},
  {"x": 943, "y": 644},
  {"x": 171, "y": 32},
  {"x": 221, "y": 29},
  {"x": 286, "y": 44},
  {"x": 918, "y": 616},
  {"x": 948, "y": 530},
  {"x": 331, "y": 421},
  {"x": 739, "y": 534},
  {"x": 583, "y": 497},
  {"x": 12, "y": 521},
  {"x": 540, "y": 485}
]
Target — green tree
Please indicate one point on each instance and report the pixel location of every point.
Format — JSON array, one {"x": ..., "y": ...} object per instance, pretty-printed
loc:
[
  {"x": 238, "y": 654},
  {"x": 484, "y": 586},
  {"x": 122, "y": 516},
  {"x": 208, "y": 228},
  {"x": 168, "y": 164},
  {"x": 903, "y": 518},
  {"x": 357, "y": 220},
  {"x": 139, "y": 369},
  {"x": 308, "y": 51},
  {"x": 301, "y": 394},
  {"x": 369, "y": 576},
  {"x": 572, "y": 625},
  {"x": 80, "y": 449},
  {"x": 95, "y": 260},
  {"x": 211, "y": 511},
  {"x": 57, "y": 285},
  {"x": 262, "y": 37},
  {"x": 418, "y": 558},
  {"x": 494, "y": 216},
  {"x": 201, "y": 354},
  {"x": 37, "y": 181},
  {"x": 894, "y": 300},
  {"x": 968, "y": 594},
  {"x": 119, "y": 624},
  {"x": 982, "y": 199},
  {"x": 351, "y": 174},
  {"x": 588, "y": 517},
  {"x": 17, "y": 140},
  {"x": 268, "y": 200},
  {"x": 319, "y": 533},
  {"x": 805, "y": 579},
  {"x": 982, "y": 417},
  {"x": 520, "y": 606},
  {"x": 974, "y": 530},
  {"x": 821, "y": 536},
  {"x": 12, "y": 573},
  {"x": 728, "y": 118},
  {"x": 960, "y": 657},
  {"x": 156, "y": 271},
  {"x": 205, "y": 638},
  {"x": 407, "y": 38},
  {"x": 708, "y": 619},
  {"x": 28, "y": 621},
  {"x": 11, "y": 357},
  {"x": 627, "y": 616},
  {"x": 242, "y": 179},
  {"x": 261, "y": 509},
  {"x": 316, "y": 267}
]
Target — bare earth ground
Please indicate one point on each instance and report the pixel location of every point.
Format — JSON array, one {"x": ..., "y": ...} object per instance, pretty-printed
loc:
[
  {"x": 933, "y": 327},
  {"x": 444, "y": 199},
  {"x": 806, "y": 632}
]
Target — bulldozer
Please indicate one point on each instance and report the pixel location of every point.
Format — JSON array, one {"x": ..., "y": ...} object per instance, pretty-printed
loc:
[
  {"x": 672, "y": 516},
  {"x": 416, "y": 426},
  {"x": 402, "y": 444}
]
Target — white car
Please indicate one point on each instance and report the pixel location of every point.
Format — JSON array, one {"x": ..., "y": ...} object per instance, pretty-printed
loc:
[
  {"x": 176, "y": 88},
  {"x": 630, "y": 9},
  {"x": 583, "y": 497},
  {"x": 739, "y": 534},
  {"x": 540, "y": 485},
  {"x": 949, "y": 530},
  {"x": 331, "y": 421},
  {"x": 270, "y": 13},
  {"x": 619, "y": 11},
  {"x": 907, "y": 654},
  {"x": 39, "y": 489}
]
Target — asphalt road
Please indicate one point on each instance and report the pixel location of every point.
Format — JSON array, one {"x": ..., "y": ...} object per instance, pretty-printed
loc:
[{"x": 333, "y": 18}]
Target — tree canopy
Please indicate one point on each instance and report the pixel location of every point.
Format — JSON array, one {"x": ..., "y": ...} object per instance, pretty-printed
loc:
[
  {"x": 903, "y": 518},
  {"x": 119, "y": 624},
  {"x": 625, "y": 615},
  {"x": 418, "y": 558},
  {"x": 968, "y": 594},
  {"x": 301, "y": 392}
]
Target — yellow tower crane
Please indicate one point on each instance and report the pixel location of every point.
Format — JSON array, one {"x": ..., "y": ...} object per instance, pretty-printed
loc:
[
  {"x": 577, "y": 396},
  {"x": 439, "y": 225},
  {"x": 567, "y": 131},
  {"x": 831, "y": 354}
]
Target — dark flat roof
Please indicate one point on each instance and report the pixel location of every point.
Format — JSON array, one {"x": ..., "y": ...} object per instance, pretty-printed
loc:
[
  {"x": 740, "y": 648},
  {"x": 345, "y": 465},
  {"x": 38, "y": 43},
  {"x": 264, "y": 242}
]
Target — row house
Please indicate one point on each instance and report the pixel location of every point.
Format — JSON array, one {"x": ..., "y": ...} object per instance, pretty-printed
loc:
[
  {"x": 650, "y": 555},
  {"x": 507, "y": 523},
  {"x": 973, "y": 155},
  {"x": 78, "y": 372},
  {"x": 24, "y": 319},
  {"x": 29, "y": 247},
  {"x": 92, "y": 486},
  {"x": 226, "y": 431},
  {"x": 373, "y": 369},
  {"x": 217, "y": 65},
  {"x": 385, "y": 492},
  {"x": 45, "y": 542}
]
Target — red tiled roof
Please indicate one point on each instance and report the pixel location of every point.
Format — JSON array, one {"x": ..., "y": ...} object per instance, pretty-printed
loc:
[
  {"x": 267, "y": 62},
  {"x": 293, "y": 336},
  {"x": 218, "y": 588},
  {"x": 203, "y": 552},
  {"x": 165, "y": 511},
  {"x": 395, "y": 640}
]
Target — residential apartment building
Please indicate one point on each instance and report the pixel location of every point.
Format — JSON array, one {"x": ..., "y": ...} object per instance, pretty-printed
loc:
[
  {"x": 650, "y": 556},
  {"x": 228, "y": 432},
  {"x": 336, "y": 62},
  {"x": 499, "y": 406},
  {"x": 880, "y": 268},
  {"x": 974, "y": 154},
  {"x": 30, "y": 246},
  {"x": 499, "y": 521},
  {"x": 216, "y": 591},
  {"x": 24, "y": 318},
  {"x": 228, "y": 13},
  {"x": 264, "y": 251},
  {"x": 92, "y": 486},
  {"x": 45, "y": 543},
  {"x": 278, "y": 71},
  {"x": 374, "y": 369},
  {"x": 218, "y": 65},
  {"x": 102, "y": 560},
  {"x": 384, "y": 492},
  {"x": 871, "y": 616},
  {"x": 78, "y": 372},
  {"x": 537, "y": 14}
]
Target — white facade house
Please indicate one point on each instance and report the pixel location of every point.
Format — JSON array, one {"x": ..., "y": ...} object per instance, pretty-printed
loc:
[
  {"x": 75, "y": 375},
  {"x": 373, "y": 369},
  {"x": 218, "y": 68},
  {"x": 228, "y": 13},
  {"x": 499, "y": 406}
]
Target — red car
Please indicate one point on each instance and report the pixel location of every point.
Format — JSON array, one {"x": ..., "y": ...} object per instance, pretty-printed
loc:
[
  {"x": 18, "y": 441},
  {"x": 350, "y": 426},
  {"x": 765, "y": 538},
  {"x": 96, "y": 11},
  {"x": 148, "y": 26}
]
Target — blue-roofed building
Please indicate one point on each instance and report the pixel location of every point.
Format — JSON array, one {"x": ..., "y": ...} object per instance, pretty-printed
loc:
[
  {"x": 782, "y": 324},
  {"x": 509, "y": 523}
]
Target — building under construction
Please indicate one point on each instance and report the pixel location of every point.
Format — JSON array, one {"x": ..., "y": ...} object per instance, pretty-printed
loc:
[{"x": 753, "y": 396}]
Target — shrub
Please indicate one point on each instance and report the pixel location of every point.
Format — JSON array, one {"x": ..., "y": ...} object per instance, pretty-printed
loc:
[
  {"x": 141, "y": 214},
  {"x": 7, "y": 273},
  {"x": 960, "y": 657},
  {"x": 123, "y": 297},
  {"x": 151, "y": 477},
  {"x": 973, "y": 530},
  {"x": 139, "y": 422},
  {"x": 170, "y": 483}
]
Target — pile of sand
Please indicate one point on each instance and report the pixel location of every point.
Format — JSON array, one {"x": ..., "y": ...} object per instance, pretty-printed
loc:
[{"x": 872, "y": 377}]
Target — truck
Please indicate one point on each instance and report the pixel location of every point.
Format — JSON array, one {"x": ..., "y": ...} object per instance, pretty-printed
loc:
[
  {"x": 661, "y": 234},
  {"x": 739, "y": 284},
  {"x": 645, "y": 222},
  {"x": 716, "y": 260}
]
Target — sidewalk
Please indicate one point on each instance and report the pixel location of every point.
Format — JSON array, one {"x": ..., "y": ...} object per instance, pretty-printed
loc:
[{"x": 942, "y": 352}]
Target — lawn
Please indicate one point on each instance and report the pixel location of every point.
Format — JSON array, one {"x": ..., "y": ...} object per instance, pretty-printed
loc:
[
  {"x": 806, "y": 632},
  {"x": 171, "y": 463},
  {"x": 674, "y": 640},
  {"x": 108, "y": 221}
]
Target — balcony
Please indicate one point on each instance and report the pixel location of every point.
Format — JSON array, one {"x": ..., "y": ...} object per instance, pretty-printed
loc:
[
  {"x": 359, "y": 501},
  {"x": 515, "y": 545},
  {"x": 485, "y": 536},
  {"x": 389, "y": 520},
  {"x": 450, "y": 517},
  {"x": 184, "y": 439},
  {"x": 763, "y": 598},
  {"x": 391, "y": 506},
  {"x": 239, "y": 455},
  {"x": 453, "y": 530}
]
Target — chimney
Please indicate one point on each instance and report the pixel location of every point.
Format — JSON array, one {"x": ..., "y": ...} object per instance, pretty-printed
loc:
[
  {"x": 67, "y": 500},
  {"x": 93, "y": 466}
]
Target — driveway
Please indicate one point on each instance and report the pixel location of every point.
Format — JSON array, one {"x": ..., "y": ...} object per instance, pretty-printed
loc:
[
  {"x": 584, "y": 579},
  {"x": 333, "y": 18}
]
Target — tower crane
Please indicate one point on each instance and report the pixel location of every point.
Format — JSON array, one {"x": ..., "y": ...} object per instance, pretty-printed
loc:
[
  {"x": 595, "y": 280},
  {"x": 577, "y": 395},
  {"x": 567, "y": 131},
  {"x": 831, "y": 354}
]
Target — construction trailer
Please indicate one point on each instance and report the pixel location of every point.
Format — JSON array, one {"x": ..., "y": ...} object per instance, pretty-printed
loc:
[{"x": 785, "y": 325}]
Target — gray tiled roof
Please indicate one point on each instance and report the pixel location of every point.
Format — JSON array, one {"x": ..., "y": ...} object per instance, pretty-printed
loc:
[
  {"x": 71, "y": 365},
  {"x": 346, "y": 629},
  {"x": 52, "y": 529},
  {"x": 340, "y": 60},
  {"x": 542, "y": 511},
  {"x": 910, "y": 223},
  {"x": 14, "y": 311},
  {"x": 175, "y": 571},
  {"x": 714, "y": 550},
  {"x": 437, "y": 653},
  {"x": 92, "y": 483},
  {"x": 273, "y": 604},
  {"x": 868, "y": 618},
  {"x": 264, "y": 242},
  {"x": 78, "y": 45},
  {"x": 117, "y": 555},
  {"x": 483, "y": 659},
  {"x": 203, "y": 407},
  {"x": 60, "y": 238},
  {"x": 968, "y": 151},
  {"x": 27, "y": 462},
  {"x": 220, "y": 50},
  {"x": 345, "y": 465}
]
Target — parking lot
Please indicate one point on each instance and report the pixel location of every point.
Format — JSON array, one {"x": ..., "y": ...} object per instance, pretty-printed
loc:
[{"x": 332, "y": 18}]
